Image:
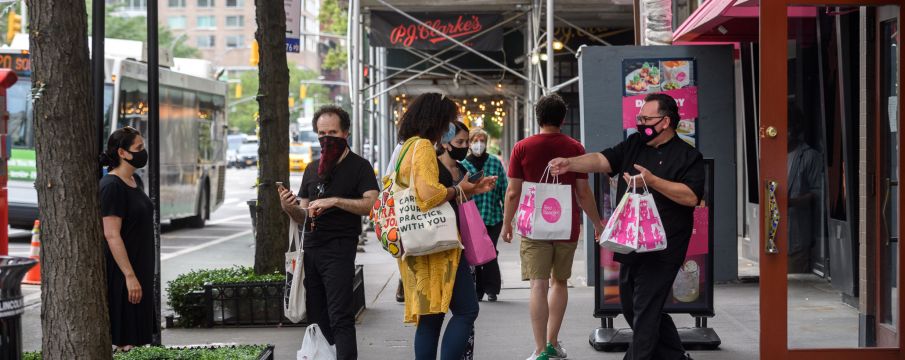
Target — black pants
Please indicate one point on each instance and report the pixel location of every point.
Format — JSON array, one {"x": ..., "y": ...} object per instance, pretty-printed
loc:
[
  {"x": 643, "y": 290},
  {"x": 487, "y": 276},
  {"x": 329, "y": 271}
]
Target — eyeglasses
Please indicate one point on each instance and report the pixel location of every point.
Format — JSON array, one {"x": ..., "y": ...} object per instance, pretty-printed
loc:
[{"x": 641, "y": 119}]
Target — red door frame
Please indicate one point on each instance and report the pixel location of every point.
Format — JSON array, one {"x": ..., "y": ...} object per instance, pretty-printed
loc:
[{"x": 773, "y": 267}]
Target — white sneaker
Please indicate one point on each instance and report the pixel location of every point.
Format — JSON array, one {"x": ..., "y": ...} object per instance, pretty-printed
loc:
[{"x": 556, "y": 352}]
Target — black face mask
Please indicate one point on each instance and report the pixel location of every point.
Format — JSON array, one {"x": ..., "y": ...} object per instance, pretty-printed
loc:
[
  {"x": 139, "y": 158},
  {"x": 458, "y": 153},
  {"x": 649, "y": 132}
]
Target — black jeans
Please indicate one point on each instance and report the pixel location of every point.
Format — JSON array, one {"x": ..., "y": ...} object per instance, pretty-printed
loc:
[
  {"x": 329, "y": 272},
  {"x": 487, "y": 276},
  {"x": 643, "y": 290}
]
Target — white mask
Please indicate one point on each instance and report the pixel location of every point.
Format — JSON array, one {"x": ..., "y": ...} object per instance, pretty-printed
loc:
[{"x": 477, "y": 148}]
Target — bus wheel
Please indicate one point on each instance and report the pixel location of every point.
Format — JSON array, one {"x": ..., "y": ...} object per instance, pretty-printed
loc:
[{"x": 197, "y": 221}]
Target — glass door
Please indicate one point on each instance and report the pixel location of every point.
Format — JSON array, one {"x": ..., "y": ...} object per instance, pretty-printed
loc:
[{"x": 828, "y": 267}]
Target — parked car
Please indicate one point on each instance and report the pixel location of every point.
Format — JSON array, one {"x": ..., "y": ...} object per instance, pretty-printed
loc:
[
  {"x": 247, "y": 155},
  {"x": 299, "y": 156},
  {"x": 233, "y": 142}
]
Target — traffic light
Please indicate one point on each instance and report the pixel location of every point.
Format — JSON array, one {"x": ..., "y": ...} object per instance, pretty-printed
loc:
[
  {"x": 253, "y": 58},
  {"x": 238, "y": 90},
  {"x": 291, "y": 102},
  {"x": 303, "y": 91},
  {"x": 13, "y": 25}
]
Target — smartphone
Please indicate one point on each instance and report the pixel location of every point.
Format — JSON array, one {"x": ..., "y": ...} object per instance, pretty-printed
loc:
[
  {"x": 279, "y": 184},
  {"x": 476, "y": 176}
]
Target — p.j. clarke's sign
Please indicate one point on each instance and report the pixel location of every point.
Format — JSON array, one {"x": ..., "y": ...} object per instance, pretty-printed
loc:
[{"x": 390, "y": 29}]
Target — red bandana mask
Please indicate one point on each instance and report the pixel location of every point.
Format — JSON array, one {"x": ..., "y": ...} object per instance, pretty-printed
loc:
[{"x": 332, "y": 149}]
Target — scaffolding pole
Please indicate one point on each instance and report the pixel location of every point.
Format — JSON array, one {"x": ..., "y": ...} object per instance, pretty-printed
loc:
[
  {"x": 352, "y": 66},
  {"x": 550, "y": 55}
]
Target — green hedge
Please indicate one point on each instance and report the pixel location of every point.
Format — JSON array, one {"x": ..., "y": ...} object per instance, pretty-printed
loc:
[
  {"x": 192, "y": 281},
  {"x": 241, "y": 352}
]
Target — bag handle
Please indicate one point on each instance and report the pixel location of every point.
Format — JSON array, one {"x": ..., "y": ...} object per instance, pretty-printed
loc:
[
  {"x": 400, "y": 158},
  {"x": 548, "y": 176},
  {"x": 297, "y": 237}
]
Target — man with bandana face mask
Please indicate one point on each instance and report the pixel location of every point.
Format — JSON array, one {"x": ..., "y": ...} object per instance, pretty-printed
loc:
[
  {"x": 336, "y": 192},
  {"x": 674, "y": 172}
]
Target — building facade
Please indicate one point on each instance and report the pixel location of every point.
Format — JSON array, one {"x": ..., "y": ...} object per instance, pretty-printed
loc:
[{"x": 223, "y": 30}]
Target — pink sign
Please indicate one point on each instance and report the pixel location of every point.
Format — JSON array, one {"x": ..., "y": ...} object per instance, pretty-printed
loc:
[
  {"x": 686, "y": 98},
  {"x": 700, "y": 234}
]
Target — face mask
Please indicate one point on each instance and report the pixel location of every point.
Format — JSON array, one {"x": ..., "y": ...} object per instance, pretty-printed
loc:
[
  {"x": 477, "y": 148},
  {"x": 649, "y": 132},
  {"x": 332, "y": 149},
  {"x": 450, "y": 134},
  {"x": 139, "y": 159},
  {"x": 458, "y": 153}
]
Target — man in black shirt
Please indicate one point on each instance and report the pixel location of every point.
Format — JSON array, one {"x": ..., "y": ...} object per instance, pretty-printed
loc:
[
  {"x": 336, "y": 192},
  {"x": 674, "y": 173}
]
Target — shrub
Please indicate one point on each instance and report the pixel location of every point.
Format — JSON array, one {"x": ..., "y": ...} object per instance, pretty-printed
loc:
[{"x": 179, "y": 289}]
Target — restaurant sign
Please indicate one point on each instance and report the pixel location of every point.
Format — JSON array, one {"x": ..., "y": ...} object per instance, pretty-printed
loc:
[{"x": 390, "y": 29}]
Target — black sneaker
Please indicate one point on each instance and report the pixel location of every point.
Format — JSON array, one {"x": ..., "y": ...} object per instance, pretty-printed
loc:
[
  {"x": 491, "y": 297},
  {"x": 400, "y": 293}
]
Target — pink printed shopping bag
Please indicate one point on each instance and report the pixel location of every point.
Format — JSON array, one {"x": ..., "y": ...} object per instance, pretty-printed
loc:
[
  {"x": 651, "y": 235},
  {"x": 545, "y": 210},
  {"x": 621, "y": 232}
]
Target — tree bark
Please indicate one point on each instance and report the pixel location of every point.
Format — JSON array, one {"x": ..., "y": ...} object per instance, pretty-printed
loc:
[
  {"x": 273, "y": 152},
  {"x": 74, "y": 317}
]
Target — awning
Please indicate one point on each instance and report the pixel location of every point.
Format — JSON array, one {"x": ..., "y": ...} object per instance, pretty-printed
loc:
[{"x": 728, "y": 21}]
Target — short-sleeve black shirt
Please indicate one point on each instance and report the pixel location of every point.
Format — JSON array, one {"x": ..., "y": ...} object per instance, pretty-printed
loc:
[
  {"x": 675, "y": 161},
  {"x": 352, "y": 177}
]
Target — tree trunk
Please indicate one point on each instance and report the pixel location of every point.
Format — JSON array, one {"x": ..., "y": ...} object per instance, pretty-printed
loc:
[
  {"x": 273, "y": 152},
  {"x": 74, "y": 315}
]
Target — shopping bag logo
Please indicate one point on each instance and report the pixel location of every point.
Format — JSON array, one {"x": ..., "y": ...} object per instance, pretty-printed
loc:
[
  {"x": 551, "y": 210},
  {"x": 526, "y": 209}
]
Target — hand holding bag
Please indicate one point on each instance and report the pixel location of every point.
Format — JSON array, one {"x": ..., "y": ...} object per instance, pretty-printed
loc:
[
  {"x": 294, "y": 289},
  {"x": 478, "y": 246},
  {"x": 621, "y": 232},
  {"x": 651, "y": 234},
  {"x": 315, "y": 346},
  {"x": 545, "y": 210}
]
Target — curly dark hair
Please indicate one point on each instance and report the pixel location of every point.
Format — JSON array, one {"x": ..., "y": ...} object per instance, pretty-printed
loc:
[
  {"x": 428, "y": 117},
  {"x": 344, "y": 121},
  {"x": 666, "y": 106},
  {"x": 120, "y": 139},
  {"x": 550, "y": 110}
]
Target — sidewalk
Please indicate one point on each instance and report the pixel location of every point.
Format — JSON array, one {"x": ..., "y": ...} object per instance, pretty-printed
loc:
[{"x": 503, "y": 329}]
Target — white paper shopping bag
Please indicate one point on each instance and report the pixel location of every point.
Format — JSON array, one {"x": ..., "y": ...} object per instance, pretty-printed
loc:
[
  {"x": 651, "y": 234},
  {"x": 545, "y": 209}
]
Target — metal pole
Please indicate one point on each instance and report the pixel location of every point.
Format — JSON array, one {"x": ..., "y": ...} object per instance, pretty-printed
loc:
[
  {"x": 550, "y": 57},
  {"x": 371, "y": 131},
  {"x": 97, "y": 72},
  {"x": 154, "y": 141},
  {"x": 353, "y": 61},
  {"x": 359, "y": 39}
]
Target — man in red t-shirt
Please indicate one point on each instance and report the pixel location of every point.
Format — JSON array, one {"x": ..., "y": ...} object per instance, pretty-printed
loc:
[{"x": 548, "y": 263}]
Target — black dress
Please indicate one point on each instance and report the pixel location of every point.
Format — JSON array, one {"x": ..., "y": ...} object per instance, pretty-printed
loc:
[{"x": 130, "y": 324}]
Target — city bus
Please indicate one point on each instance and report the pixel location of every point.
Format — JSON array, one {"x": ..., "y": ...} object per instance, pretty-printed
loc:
[{"x": 192, "y": 134}]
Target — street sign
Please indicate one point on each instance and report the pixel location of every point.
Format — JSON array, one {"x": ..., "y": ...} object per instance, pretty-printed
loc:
[{"x": 293, "y": 25}]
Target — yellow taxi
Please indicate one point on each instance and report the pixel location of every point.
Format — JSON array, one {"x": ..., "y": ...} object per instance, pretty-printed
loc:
[{"x": 299, "y": 156}]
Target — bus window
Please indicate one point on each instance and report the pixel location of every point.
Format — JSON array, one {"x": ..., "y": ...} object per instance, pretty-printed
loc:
[
  {"x": 133, "y": 104},
  {"x": 108, "y": 107},
  {"x": 21, "y": 119}
]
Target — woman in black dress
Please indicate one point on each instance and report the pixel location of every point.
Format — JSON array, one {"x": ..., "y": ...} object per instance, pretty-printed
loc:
[{"x": 128, "y": 228}]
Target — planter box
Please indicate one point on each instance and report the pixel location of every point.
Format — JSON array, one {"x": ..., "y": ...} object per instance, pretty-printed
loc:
[
  {"x": 266, "y": 354},
  {"x": 259, "y": 304}
]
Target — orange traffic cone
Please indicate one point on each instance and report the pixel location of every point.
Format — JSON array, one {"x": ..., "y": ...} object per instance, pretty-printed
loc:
[{"x": 34, "y": 275}]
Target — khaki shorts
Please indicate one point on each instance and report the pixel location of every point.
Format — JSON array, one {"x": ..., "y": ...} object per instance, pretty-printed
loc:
[{"x": 543, "y": 259}]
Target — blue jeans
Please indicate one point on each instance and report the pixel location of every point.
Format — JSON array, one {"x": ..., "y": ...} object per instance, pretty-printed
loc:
[{"x": 464, "y": 307}]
